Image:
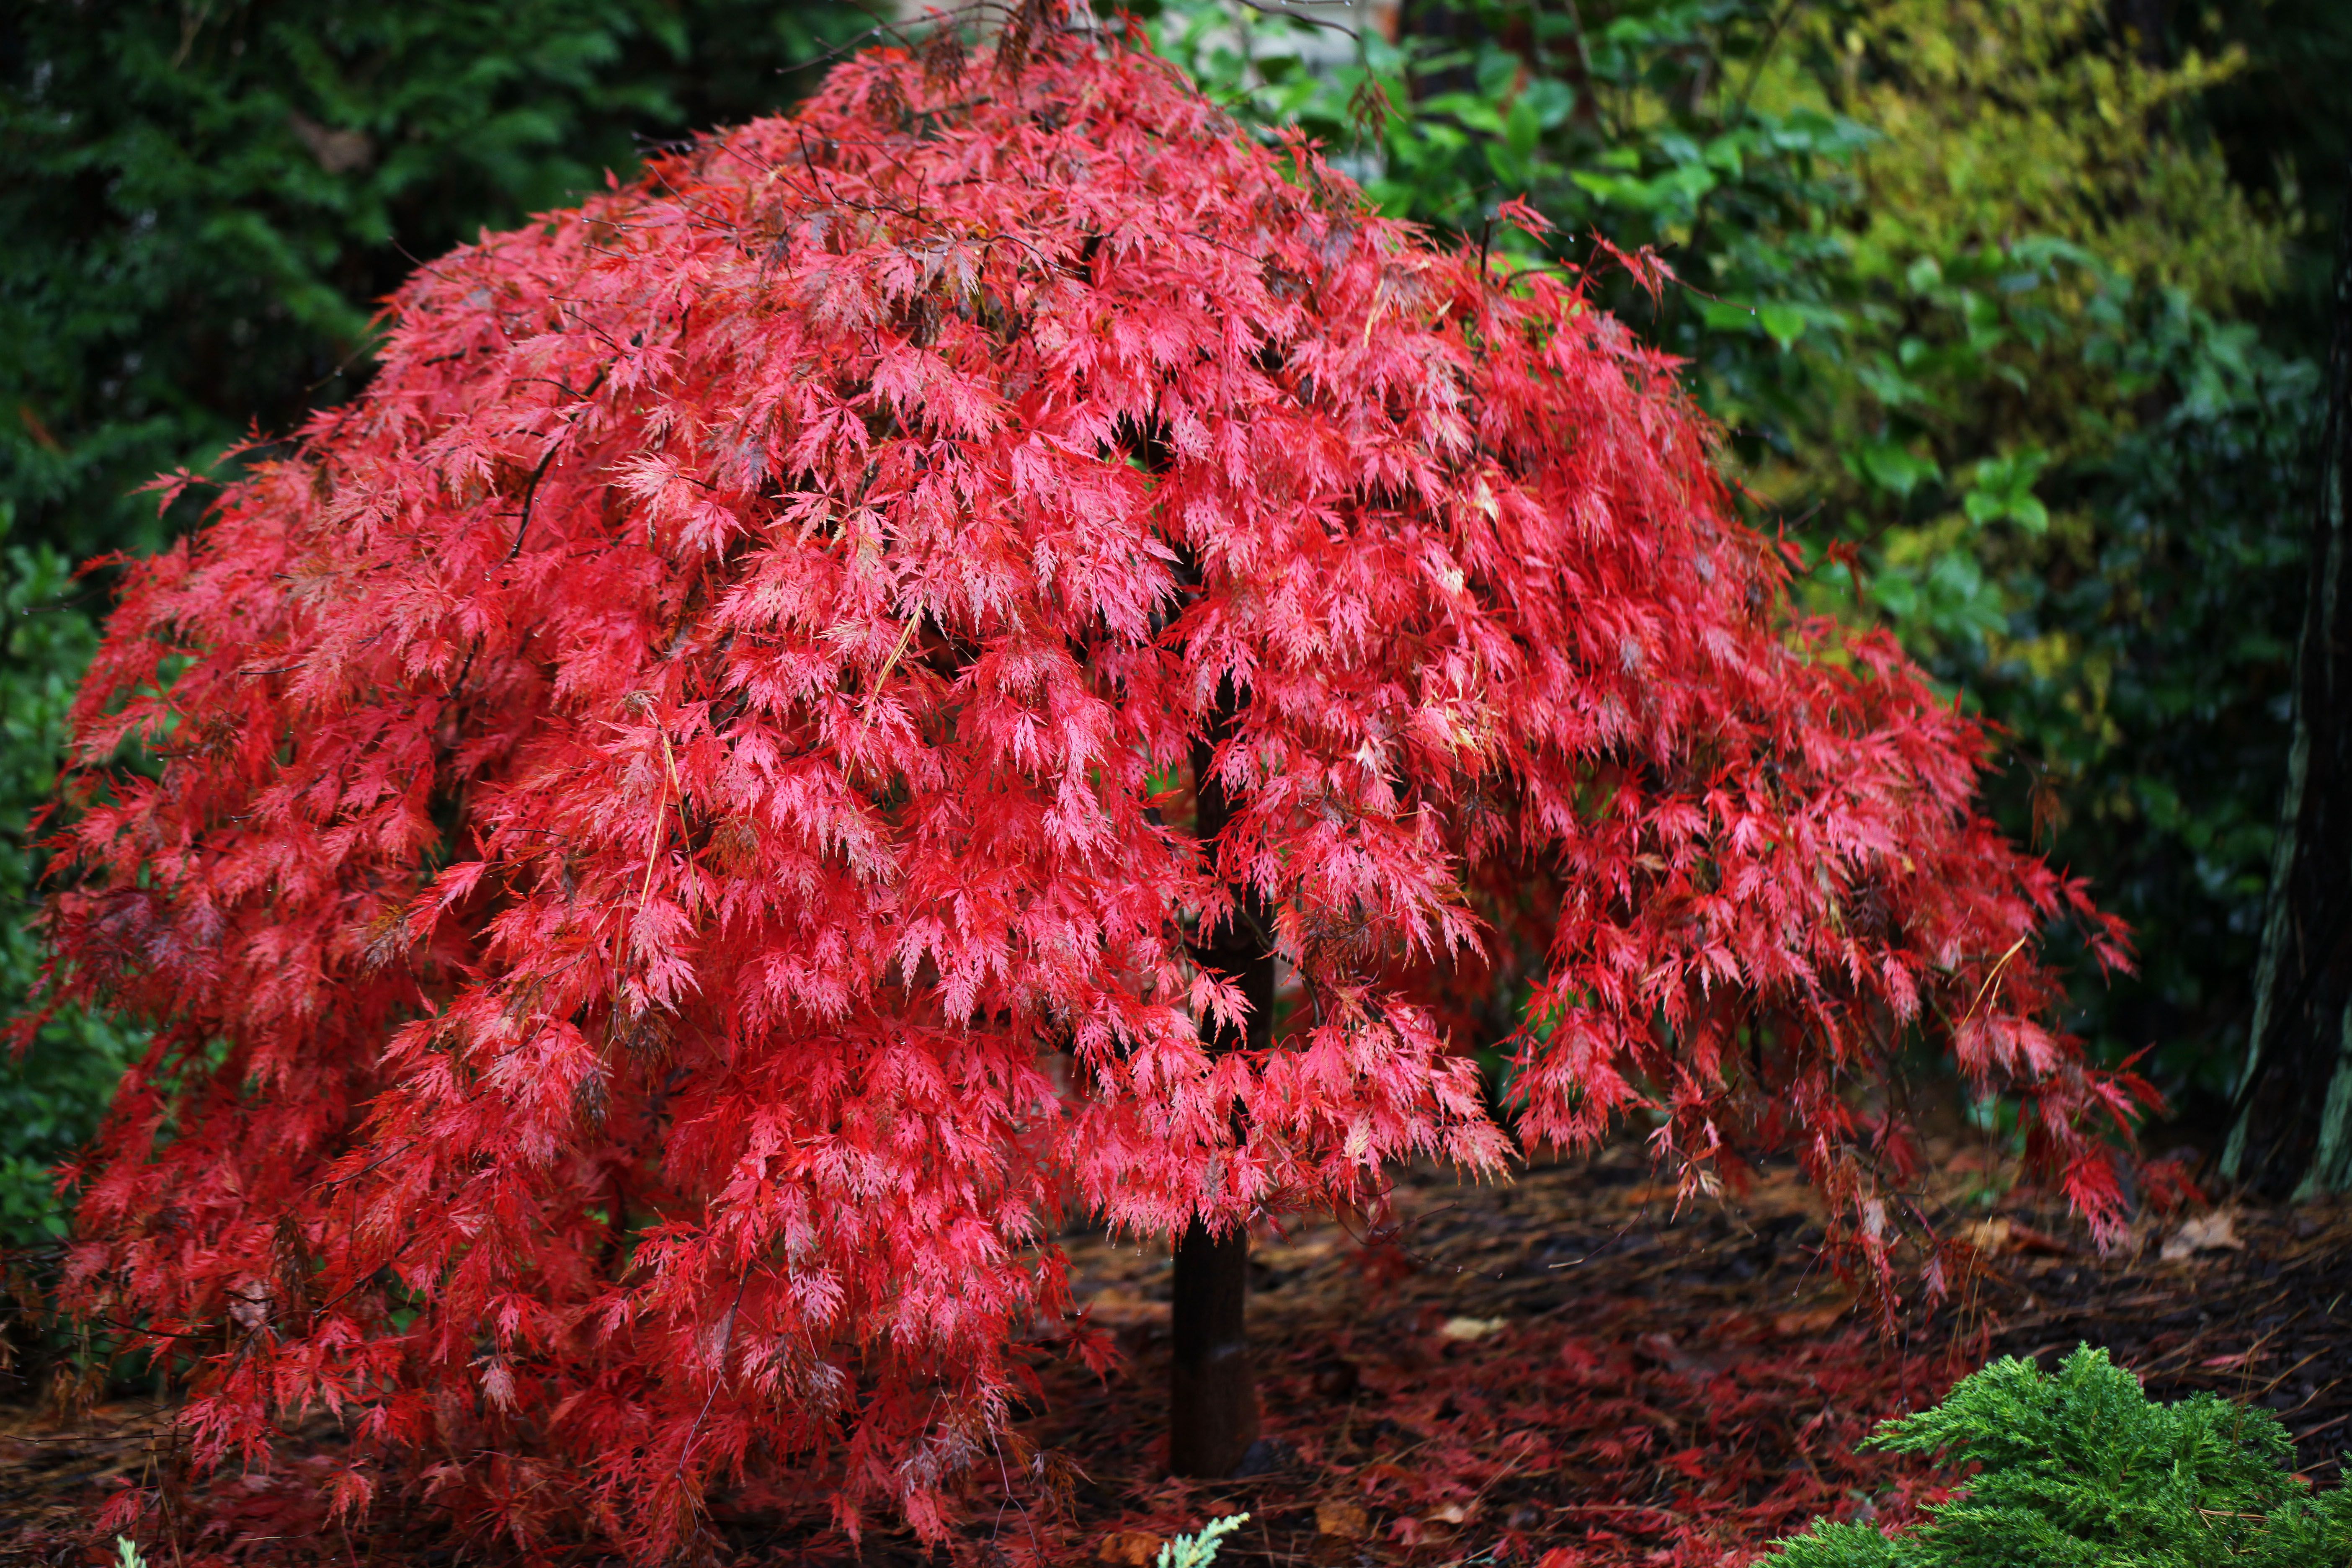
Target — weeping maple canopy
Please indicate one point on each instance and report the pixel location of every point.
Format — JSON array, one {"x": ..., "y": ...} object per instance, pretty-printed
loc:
[{"x": 671, "y": 868}]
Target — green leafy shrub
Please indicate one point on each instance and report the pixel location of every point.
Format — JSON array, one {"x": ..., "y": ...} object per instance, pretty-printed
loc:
[
  {"x": 52, "y": 1096},
  {"x": 2081, "y": 1469}
]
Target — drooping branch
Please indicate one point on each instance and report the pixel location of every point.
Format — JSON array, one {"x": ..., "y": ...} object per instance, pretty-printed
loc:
[{"x": 813, "y": 743}]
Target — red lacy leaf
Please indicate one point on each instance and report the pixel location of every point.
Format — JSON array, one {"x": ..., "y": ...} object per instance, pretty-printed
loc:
[{"x": 665, "y": 883}]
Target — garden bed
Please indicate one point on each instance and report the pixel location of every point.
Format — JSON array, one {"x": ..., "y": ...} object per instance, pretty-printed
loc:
[{"x": 1566, "y": 1370}]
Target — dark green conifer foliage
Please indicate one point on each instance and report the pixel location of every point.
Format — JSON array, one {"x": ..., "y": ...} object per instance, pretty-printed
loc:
[
  {"x": 2081, "y": 1469},
  {"x": 201, "y": 205}
]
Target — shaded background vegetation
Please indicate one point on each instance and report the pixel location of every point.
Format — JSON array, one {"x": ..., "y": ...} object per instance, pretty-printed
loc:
[
  {"x": 2008, "y": 308},
  {"x": 200, "y": 205}
]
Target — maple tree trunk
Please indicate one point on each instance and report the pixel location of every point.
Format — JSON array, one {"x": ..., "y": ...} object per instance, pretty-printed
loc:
[
  {"x": 1212, "y": 1398},
  {"x": 2293, "y": 1134}
]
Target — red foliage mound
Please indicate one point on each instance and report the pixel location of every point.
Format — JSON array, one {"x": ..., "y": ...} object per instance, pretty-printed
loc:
[{"x": 668, "y": 872}]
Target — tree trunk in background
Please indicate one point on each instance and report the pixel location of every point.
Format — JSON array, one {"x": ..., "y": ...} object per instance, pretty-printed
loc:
[
  {"x": 2293, "y": 1134},
  {"x": 1212, "y": 1397}
]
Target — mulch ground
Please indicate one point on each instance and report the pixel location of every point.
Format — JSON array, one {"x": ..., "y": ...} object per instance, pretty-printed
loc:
[{"x": 1565, "y": 1371}]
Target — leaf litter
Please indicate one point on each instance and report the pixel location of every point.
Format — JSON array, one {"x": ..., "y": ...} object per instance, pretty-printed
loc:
[{"x": 1567, "y": 1372}]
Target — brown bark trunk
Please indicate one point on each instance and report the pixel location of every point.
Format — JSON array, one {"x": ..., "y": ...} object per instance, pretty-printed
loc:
[
  {"x": 1212, "y": 1397},
  {"x": 2293, "y": 1134}
]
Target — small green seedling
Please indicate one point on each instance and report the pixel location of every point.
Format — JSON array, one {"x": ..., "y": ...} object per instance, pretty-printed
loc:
[{"x": 1199, "y": 1551}]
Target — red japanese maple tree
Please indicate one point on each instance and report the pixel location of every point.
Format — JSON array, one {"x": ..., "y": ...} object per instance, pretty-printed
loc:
[{"x": 698, "y": 818}]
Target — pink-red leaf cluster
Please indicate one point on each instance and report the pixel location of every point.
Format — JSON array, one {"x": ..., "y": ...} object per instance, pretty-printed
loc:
[{"x": 671, "y": 872}]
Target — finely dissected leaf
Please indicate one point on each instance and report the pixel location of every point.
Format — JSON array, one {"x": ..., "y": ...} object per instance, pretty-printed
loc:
[{"x": 673, "y": 867}]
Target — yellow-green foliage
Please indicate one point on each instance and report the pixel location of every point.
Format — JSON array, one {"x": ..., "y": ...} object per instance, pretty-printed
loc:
[
  {"x": 1999, "y": 124},
  {"x": 2031, "y": 142},
  {"x": 2009, "y": 118}
]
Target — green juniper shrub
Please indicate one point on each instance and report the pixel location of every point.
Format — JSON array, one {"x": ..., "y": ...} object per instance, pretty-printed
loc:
[{"x": 2081, "y": 1469}]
